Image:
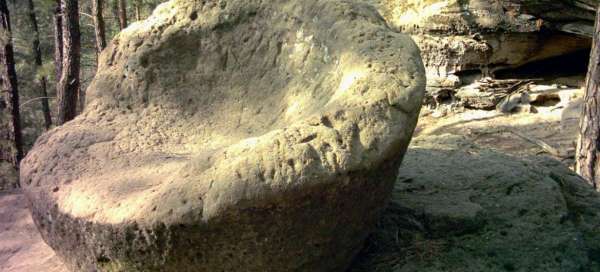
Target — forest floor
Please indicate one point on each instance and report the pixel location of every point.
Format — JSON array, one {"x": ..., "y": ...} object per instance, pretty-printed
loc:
[
  {"x": 21, "y": 246},
  {"x": 556, "y": 124}
]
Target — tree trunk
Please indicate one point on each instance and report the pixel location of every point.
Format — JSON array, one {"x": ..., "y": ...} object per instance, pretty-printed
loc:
[
  {"x": 151, "y": 6},
  {"x": 138, "y": 10},
  {"x": 68, "y": 85},
  {"x": 37, "y": 52},
  {"x": 99, "y": 27},
  {"x": 588, "y": 145},
  {"x": 9, "y": 84},
  {"x": 58, "y": 42},
  {"x": 114, "y": 8},
  {"x": 122, "y": 14}
]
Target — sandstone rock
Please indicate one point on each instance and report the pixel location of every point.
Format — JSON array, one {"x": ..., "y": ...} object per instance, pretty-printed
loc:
[
  {"x": 527, "y": 108},
  {"x": 479, "y": 38},
  {"x": 510, "y": 103},
  {"x": 488, "y": 94},
  {"x": 569, "y": 16},
  {"x": 460, "y": 207},
  {"x": 456, "y": 16},
  {"x": 231, "y": 136},
  {"x": 465, "y": 17},
  {"x": 563, "y": 94}
]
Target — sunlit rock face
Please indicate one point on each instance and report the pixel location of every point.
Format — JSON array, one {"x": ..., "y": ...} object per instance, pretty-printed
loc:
[
  {"x": 231, "y": 136},
  {"x": 463, "y": 40}
]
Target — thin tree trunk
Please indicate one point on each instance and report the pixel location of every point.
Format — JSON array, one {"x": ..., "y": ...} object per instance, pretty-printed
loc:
[
  {"x": 9, "y": 83},
  {"x": 115, "y": 12},
  {"x": 43, "y": 81},
  {"x": 151, "y": 6},
  {"x": 58, "y": 42},
  {"x": 122, "y": 14},
  {"x": 138, "y": 10},
  {"x": 68, "y": 85},
  {"x": 588, "y": 145},
  {"x": 99, "y": 27}
]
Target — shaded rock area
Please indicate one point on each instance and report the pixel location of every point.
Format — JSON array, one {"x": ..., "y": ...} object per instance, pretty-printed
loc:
[
  {"x": 465, "y": 41},
  {"x": 231, "y": 135},
  {"x": 568, "y": 16},
  {"x": 459, "y": 207}
]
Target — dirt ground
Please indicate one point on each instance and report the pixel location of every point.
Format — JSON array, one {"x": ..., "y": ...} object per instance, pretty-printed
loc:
[
  {"x": 21, "y": 246},
  {"x": 554, "y": 124}
]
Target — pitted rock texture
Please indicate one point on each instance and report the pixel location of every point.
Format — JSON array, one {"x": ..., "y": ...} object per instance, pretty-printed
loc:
[{"x": 231, "y": 136}]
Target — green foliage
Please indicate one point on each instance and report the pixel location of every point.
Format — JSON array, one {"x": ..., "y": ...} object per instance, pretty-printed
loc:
[
  {"x": 47, "y": 70},
  {"x": 29, "y": 75}
]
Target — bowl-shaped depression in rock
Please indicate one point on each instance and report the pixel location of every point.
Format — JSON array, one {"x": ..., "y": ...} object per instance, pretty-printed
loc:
[{"x": 231, "y": 136}]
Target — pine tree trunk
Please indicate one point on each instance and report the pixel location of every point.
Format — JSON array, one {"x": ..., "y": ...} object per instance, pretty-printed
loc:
[
  {"x": 99, "y": 27},
  {"x": 68, "y": 85},
  {"x": 37, "y": 52},
  {"x": 58, "y": 42},
  {"x": 122, "y": 14},
  {"x": 151, "y": 6},
  {"x": 588, "y": 146},
  {"x": 10, "y": 89},
  {"x": 114, "y": 7},
  {"x": 138, "y": 10}
]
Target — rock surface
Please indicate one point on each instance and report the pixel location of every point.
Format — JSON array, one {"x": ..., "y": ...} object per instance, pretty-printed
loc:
[
  {"x": 462, "y": 41},
  {"x": 228, "y": 136},
  {"x": 459, "y": 207}
]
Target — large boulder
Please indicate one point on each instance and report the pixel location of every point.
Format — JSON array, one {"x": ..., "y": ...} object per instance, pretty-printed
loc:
[
  {"x": 461, "y": 207},
  {"x": 231, "y": 136}
]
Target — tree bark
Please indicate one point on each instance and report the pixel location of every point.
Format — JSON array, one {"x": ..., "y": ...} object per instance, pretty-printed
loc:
[
  {"x": 68, "y": 85},
  {"x": 9, "y": 84},
  {"x": 58, "y": 42},
  {"x": 122, "y": 14},
  {"x": 99, "y": 27},
  {"x": 138, "y": 10},
  {"x": 37, "y": 52},
  {"x": 588, "y": 145},
  {"x": 151, "y": 6},
  {"x": 114, "y": 8}
]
